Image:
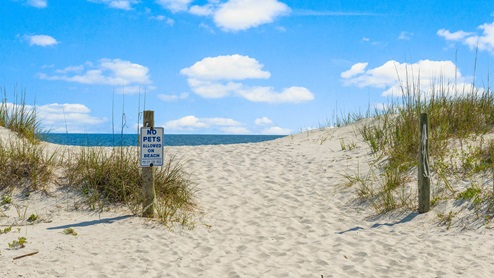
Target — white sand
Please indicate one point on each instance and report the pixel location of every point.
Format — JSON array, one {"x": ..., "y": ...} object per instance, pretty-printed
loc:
[{"x": 272, "y": 209}]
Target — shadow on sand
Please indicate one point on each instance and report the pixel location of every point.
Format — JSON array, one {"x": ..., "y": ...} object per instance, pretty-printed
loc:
[
  {"x": 92, "y": 222},
  {"x": 406, "y": 219}
]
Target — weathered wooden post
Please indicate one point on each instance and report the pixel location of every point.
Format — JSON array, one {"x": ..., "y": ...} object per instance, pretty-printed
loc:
[
  {"x": 148, "y": 192},
  {"x": 423, "y": 167}
]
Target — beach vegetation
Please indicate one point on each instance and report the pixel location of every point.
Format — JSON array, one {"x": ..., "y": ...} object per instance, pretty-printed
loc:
[
  {"x": 25, "y": 164},
  {"x": 103, "y": 176},
  {"x": 446, "y": 218},
  {"x": 6, "y": 200},
  {"x": 461, "y": 145},
  {"x": 6, "y": 230},
  {"x": 113, "y": 177},
  {"x": 19, "y": 117},
  {"x": 70, "y": 231},
  {"x": 19, "y": 243},
  {"x": 33, "y": 217}
]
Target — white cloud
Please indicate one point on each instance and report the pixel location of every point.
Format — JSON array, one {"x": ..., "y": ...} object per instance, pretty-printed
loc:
[
  {"x": 456, "y": 36},
  {"x": 232, "y": 67},
  {"x": 268, "y": 94},
  {"x": 117, "y": 4},
  {"x": 114, "y": 72},
  {"x": 235, "y": 130},
  {"x": 484, "y": 42},
  {"x": 174, "y": 5},
  {"x": 133, "y": 90},
  {"x": 210, "y": 89},
  {"x": 202, "y": 10},
  {"x": 163, "y": 18},
  {"x": 193, "y": 123},
  {"x": 206, "y": 27},
  {"x": 61, "y": 118},
  {"x": 167, "y": 98},
  {"x": 387, "y": 76},
  {"x": 405, "y": 36},
  {"x": 38, "y": 3},
  {"x": 213, "y": 77},
  {"x": 263, "y": 121},
  {"x": 276, "y": 130},
  {"x": 231, "y": 15},
  {"x": 42, "y": 40},
  {"x": 237, "y": 15},
  {"x": 358, "y": 68}
]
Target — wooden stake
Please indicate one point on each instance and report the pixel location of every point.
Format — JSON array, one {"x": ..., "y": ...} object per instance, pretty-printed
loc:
[
  {"x": 148, "y": 191},
  {"x": 25, "y": 255},
  {"x": 423, "y": 167}
]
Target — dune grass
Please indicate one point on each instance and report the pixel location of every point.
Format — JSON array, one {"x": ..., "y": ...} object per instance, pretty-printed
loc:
[
  {"x": 461, "y": 144},
  {"x": 19, "y": 117},
  {"x": 25, "y": 165},
  {"x": 105, "y": 177},
  {"x": 114, "y": 176}
]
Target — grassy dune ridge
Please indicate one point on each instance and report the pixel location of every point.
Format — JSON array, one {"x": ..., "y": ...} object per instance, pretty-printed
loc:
[
  {"x": 104, "y": 176},
  {"x": 461, "y": 143}
]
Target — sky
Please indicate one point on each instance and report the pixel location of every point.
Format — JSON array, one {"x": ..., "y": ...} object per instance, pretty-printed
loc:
[{"x": 233, "y": 66}]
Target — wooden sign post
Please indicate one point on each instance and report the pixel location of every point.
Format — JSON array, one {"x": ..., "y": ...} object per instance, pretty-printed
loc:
[
  {"x": 148, "y": 191},
  {"x": 424, "y": 180}
]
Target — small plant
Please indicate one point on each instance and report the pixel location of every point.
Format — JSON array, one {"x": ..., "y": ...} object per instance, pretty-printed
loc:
[
  {"x": 470, "y": 193},
  {"x": 70, "y": 231},
  {"x": 446, "y": 219},
  {"x": 6, "y": 200},
  {"x": 350, "y": 146},
  {"x": 33, "y": 217},
  {"x": 6, "y": 230},
  {"x": 19, "y": 243}
]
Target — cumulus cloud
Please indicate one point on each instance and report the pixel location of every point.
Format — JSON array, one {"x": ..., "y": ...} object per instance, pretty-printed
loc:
[
  {"x": 235, "y": 130},
  {"x": 484, "y": 41},
  {"x": 234, "y": 67},
  {"x": 114, "y": 72},
  {"x": 205, "y": 10},
  {"x": 174, "y": 5},
  {"x": 276, "y": 130},
  {"x": 387, "y": 76},
  {"x": 263, "y": 121},
  {"x": 217, "y": 77},
  {"x": 38, "y": 3},
  {"x": 356, "y": 69},
  {"x": 117, "y": 4},
  {"x": 42, "y": 40},
  {"x": 213, "y": 89},
  {"x": 193, "y": 123},
  {"x": 67, "y": 117},
  {"x": 168, "y": 98},
  {"x": 268, "y": 94},
  {"x": 237, "y": 15}
]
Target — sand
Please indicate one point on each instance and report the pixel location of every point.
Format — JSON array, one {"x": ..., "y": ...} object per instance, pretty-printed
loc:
[{"x": 270, "y": 209}]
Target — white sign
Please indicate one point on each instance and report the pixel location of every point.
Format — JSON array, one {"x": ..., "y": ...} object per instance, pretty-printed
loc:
[{"x": 151, "y": 142}]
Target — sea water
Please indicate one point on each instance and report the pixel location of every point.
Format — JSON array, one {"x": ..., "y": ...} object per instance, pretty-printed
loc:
[{"x": 91, "y": 140}]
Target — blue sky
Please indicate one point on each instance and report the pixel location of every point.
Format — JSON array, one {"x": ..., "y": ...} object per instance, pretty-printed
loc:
[{"x": 232, "y": 66}]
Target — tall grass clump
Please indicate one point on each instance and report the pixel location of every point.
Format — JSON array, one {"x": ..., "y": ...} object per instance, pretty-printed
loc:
[
  {"x": 19, "y": 117},
  {"x": 23, "y": 162},
  {"x": 25, "y": 165},
  {"x": 456, "y": 114},
  {"x": 113, "y": 176}
]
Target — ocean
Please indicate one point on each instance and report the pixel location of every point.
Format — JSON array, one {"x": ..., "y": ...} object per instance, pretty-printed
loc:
[{"x": 91, "y": 140}]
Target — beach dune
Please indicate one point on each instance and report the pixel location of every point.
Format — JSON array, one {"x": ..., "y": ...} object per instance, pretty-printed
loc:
[{"x": 273, "y": 209}]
